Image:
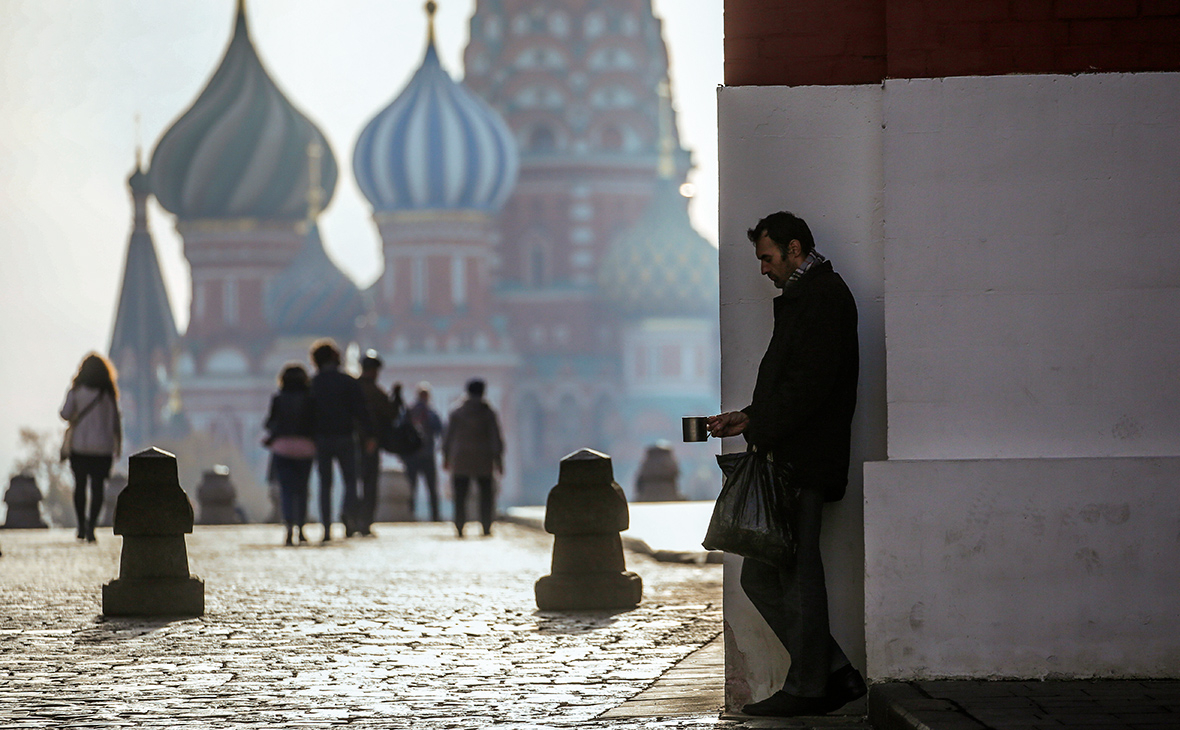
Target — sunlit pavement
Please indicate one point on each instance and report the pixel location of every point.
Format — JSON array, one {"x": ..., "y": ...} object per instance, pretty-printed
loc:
[{"x": 413, "y": 628}]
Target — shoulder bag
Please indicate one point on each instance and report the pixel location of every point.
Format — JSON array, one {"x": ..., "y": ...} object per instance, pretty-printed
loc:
[{"x": 67, "y": 441}]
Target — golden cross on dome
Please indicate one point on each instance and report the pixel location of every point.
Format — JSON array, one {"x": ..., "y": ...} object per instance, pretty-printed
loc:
[{"x": 431, "y": 9}]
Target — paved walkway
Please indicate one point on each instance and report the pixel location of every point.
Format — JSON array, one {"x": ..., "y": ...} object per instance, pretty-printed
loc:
[
  {"x": 412, "y": 628},
  {"x": 416, "y": 628},
  {"x": 1049, "y": 705}
]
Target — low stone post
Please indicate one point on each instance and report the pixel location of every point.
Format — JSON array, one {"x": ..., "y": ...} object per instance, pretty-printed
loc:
[
  {"x": 395, "y": 503},
  {"x": 153, "y": 515},
  {"x": 218, "y": 498},
  {"x": 658, "y": 472},
  {"x": 24, "y": 503},
  {"x": 585, "y": 512}
]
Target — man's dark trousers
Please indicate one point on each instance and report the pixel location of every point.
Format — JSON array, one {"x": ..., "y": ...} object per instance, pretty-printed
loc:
[
  {"x": 423, "y": 465},
  {"x": 794, "y": 601},
  {"x": 460, "y": 484},
  {"x": 342, "y": 449},
  {"x": 370, "y": 479}
]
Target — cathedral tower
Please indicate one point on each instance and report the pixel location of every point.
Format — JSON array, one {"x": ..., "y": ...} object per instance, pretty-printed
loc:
[{"x": 144, "y": 341}]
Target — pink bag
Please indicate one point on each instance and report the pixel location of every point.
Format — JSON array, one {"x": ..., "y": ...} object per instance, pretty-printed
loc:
[{"x": 293, "y": 447}]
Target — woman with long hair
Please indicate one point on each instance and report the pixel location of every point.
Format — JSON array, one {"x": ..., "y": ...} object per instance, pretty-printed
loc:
[
  {"x": 95, "y": 436},
  {"x": 289, "y": 438}
]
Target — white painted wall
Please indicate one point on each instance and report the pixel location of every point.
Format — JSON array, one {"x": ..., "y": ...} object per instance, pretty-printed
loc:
[
  {"x": 1030, "y": 303},
  {"x": 1033, "y": 266},
  {"x": 1032, "y": 300},
  {"x": 1028, "y": 568},
  {"x": 815, "y": 151}
]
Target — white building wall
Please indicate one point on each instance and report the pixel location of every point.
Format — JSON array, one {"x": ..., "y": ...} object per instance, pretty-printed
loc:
[
  {"x": 1033, "y": 266},
  {"x": 1032, "y": 300},
  {"x": 1025, "y": 523},
  {"x": 815, "y": 151}
]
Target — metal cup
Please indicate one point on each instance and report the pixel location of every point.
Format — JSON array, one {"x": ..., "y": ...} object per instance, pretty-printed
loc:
[{"x": 694, "y": 428}]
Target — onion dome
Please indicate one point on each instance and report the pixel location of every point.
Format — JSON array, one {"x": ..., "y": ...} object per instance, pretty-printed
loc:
[
  {"x": 436, "y": 146},
  {"x": 240, "y": 151},
  {"x": 313, "y": 297},
  {"x": 661, "y": 267}
]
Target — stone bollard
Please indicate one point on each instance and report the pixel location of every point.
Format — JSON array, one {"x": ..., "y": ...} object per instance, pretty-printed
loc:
[
  {"x": 394, "y": 501},
  {"x": 585, "y": 512},
  {"x": 153, "y": 515},
  {"x": 218, "y": 498},
  {"x": 658, "y": 472},
  {"x": 24, "y": 503}
]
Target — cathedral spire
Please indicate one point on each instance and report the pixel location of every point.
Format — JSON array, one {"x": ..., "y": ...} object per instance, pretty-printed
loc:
[
  {"x": 431, "y": 9},
  {"x": 144, "y": 336}
]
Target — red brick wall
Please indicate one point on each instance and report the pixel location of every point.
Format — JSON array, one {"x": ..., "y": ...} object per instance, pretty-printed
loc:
[{"x": 806, "y": 42}]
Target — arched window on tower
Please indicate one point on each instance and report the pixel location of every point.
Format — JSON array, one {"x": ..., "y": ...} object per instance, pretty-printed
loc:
[
  {"x": 569, "y": 425},
  {"x": 538, "y": 265},
  {"x": 600, "y": 424},
  {"x": 612, "y": 138},
  {"x": 542, "y": 139},
  {"x": 532, "y": 421}
]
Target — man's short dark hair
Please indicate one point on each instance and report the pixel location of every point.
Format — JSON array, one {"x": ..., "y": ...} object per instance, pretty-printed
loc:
[
  {"x": 782, "y": 228},
  {"x": 324, "y": 352},
  {"x": 371, "y": 361},
  {"x": 476, "y": 387}
]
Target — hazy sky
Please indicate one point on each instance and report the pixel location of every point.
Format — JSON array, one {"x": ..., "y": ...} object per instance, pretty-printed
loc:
[{"x": 75, "y": 73}]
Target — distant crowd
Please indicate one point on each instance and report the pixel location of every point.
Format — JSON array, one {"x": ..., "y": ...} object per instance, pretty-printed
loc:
[{"x": 331, "y": 420}]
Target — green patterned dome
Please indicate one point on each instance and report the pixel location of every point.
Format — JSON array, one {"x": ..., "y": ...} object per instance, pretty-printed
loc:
[
  {"x": 662, "y": 267},
  {"x": 241, "y": 149}
]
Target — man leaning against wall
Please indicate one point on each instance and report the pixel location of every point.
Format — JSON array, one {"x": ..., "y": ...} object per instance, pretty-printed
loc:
[{"x": 801, "y": 412}]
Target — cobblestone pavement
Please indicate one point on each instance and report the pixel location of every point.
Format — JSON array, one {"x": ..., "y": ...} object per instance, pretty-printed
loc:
[{"x": 412, "y": 628}]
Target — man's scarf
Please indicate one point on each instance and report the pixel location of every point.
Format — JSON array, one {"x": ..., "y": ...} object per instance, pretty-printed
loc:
[{"x": 812, "y": 259}]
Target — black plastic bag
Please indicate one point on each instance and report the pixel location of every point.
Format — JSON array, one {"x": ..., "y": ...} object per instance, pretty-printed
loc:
[{"x": 755, "y": 510}]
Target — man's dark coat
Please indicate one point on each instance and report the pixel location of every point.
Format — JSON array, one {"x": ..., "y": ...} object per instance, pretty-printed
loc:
[
  {"x": 806, "y": 389},
  {"x": 339, "y": 404}
]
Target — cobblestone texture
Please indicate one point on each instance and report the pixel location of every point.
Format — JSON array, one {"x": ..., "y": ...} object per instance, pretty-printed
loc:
[{"x": 412, "y": 628}]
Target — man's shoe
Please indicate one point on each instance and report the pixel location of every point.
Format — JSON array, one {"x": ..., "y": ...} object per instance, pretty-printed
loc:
[
  {"x": 781, "y": 704},
  {"x": 844, "y": 686}
]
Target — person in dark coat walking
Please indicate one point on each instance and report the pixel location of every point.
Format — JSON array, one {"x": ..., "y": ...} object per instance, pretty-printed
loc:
[
  {"x": 290, "y": 426},
  {"x": 473, "y": 449},
  {"x": 422, "y": 462},
  {"x": 339, "y": 416},
  {"x": 801, "y": 412},
  {"x": 383, "y": 410}
]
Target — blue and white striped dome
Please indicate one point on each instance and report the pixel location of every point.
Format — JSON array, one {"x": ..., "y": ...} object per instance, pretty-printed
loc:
[{"x": 437, "y": 146}]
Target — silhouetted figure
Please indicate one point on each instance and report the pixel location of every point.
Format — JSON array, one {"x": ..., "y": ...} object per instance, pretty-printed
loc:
[
  {"x": 473, "y": 449},
  {"x": 422, "y": 462},
  {"x": 94, "y": 437},
  {"x": 290, "y": 428},
  {"x": 383, "y": 411},
  {"x": 338, "y": 405},
  {"x": 801, "y": 411}
]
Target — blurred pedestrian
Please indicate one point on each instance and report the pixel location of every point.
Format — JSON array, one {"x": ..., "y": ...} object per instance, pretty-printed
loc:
[
  {"x": 473, "y": 449},
  {"x": 383, "y": 411},
  {"x": 422, "y": 462},
  {"x": 94, "y": 437},
  {"x": 289, "y": 426},
  {"x": 339, "y": 414}
]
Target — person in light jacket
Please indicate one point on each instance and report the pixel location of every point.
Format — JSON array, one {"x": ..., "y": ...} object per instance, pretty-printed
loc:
[
  {"x": 289, "y": 429},
  {"x": 96, "y": 436},
  {"x": 473, "y": 448}
]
